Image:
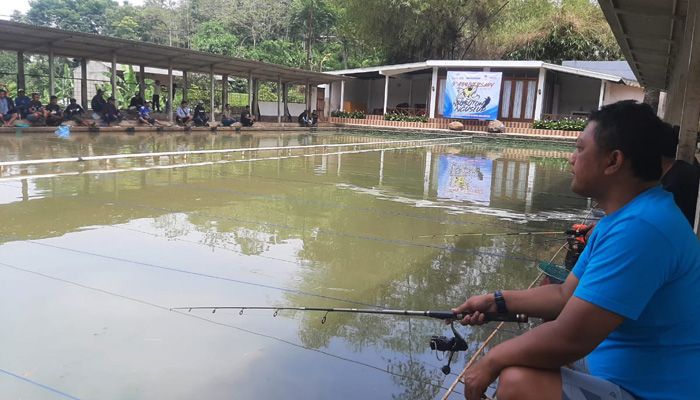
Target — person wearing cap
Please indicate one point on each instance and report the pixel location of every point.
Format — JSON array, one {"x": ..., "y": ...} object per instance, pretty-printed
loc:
[
  {"x": 8, "y": 114},
  {"x": 22, "y": 103},
  {"x": 97, "y": 103},
  {"x": 110, "y": 113},
  {"x": 200, "y": 115},
  {"x": 183, "y": 115},
  {"x": 36, "y": 113},
  {"x": 54, "y": 115}
]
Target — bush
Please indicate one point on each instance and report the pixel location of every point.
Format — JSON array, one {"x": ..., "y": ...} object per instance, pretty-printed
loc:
[
  {"x": 350, "y": 114},
  {"x": 405, "y": 118},
  {"x": 566, "y": 124}
]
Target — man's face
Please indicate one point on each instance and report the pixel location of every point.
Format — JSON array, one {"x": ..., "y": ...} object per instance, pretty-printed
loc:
[
  {"x": 588, "y": 163},
  {"x": 35, "y": 97},
  {"x": 2, "y": 95}
]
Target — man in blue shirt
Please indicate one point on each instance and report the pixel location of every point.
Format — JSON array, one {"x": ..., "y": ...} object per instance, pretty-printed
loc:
[
  {"x": 8, "y": 114},
  {"x": 145, "y": 115},
  {"x": 630, "y": 307},
  {"x": 22, "y": 103}
]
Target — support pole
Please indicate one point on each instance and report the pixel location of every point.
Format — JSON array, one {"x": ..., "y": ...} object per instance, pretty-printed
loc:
[
  {"x": 285, "y": 99},
  {"x": 113, "y": 79},
  {"x": 690, "y": 100},
  {"x": 170, "y": 92},
  {"x": 433, "y": 92},
  {"x": 308, "y": 95},
  {"x": 224, "y": 91},
  {"x": 250, "y": 91},
  {"x": 185, "y": 85},
  {"x": 330, "y": 100},
  {"x": 20, "y": 71},
  {"x": 341, "y": 106},
  {"x": 279, "y": 100},
  {"x": 539, "y": 97},
  {"x": 83, "y": 83},
  {"x": 142, "y": 81},
  {"x": 386, "y": 92},
  {"x": 212, "y": 91},
  {"x": 256, "y": 90},
  {"x": 601, "y": 97},
  {"x": 52, "y": 74}
]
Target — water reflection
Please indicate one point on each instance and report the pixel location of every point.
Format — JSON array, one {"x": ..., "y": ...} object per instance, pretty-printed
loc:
[{"x": 90, "y": 264}]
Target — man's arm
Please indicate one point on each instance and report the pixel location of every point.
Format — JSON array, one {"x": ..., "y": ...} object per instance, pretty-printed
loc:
[{"x": 581, "y": 326}]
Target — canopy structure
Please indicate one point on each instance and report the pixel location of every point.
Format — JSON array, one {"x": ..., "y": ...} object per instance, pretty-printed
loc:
[
  {"x": 57, "y": 42},
  {"x": 661, "y": 41}
]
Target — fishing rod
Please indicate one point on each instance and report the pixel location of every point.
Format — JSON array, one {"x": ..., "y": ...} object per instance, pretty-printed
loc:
[
  {"x": 577, "y": 230},
  {"x": 444, "y": 315},
  {"x": 438, "y": 343}
]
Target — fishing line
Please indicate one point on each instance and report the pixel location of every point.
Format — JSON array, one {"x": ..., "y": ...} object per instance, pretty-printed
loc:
[
  {"x": 201, "y": 274},
  {"x": 38, "y": 384},
  {"x": 259, "y": 334}
]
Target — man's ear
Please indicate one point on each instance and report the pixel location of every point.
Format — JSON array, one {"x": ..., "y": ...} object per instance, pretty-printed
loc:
[{"x": 615, "y": 160}]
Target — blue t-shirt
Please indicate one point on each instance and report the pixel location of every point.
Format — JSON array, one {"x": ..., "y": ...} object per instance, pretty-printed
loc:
[
  {"x": 144, "y": 112},
  {"x": 642, "y": 262}
]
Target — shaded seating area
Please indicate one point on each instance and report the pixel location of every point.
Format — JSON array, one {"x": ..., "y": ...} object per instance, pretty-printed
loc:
[{"x": 28, "y": 40}]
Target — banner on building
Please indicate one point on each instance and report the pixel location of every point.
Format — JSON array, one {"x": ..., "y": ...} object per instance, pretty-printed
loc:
[
  {"x": 464, "y": 178},
  {"x": 472, "y": 95}
]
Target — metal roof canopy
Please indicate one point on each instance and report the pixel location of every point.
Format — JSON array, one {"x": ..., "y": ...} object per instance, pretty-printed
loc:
[
  {"x": 398, "y": 69},
  {"x": 650, "y": 34},
  {"x": 42, "y": 40}
]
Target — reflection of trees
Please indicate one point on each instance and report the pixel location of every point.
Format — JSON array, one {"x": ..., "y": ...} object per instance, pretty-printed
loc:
[{"x": 412, "y": 376}]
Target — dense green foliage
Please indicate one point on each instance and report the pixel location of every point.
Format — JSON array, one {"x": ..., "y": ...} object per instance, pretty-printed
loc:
[
  {"x": 336, "y": 34},
  {"x": 349, "y": 114},
  {"x": 565, "y": 124}
]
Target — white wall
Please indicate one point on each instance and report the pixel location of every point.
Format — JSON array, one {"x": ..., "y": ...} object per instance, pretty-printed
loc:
[{"x": 615, "y": 92}]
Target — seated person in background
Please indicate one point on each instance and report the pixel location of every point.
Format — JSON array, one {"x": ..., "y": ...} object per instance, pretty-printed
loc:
[
  {"x": 22, "y": 103},
  {"x": 679, "y": 177},
  {"x": 145, "y": 115},
  {"x": 110, "y": 114},
  {"x": 97, "y": 103},
  {"x": 36, "y": 114},
  {"x": 199, "y": 116},
  {"x": 54, "y": 115},
  {"x": 74, "y": 112},
  {"x": 183, "y": 115},
  {"x": 226, "y": 118},
  {"x": 314, "y": 118},
  {"x": 8, "y": 114},
  {"x": 246, "y": 118},
  {"x": 303, "y": 119},
  {"x": 136, "y": 101}
]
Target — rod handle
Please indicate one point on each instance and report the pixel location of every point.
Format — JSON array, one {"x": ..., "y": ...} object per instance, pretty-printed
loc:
[{"x": 520, "y": 318}]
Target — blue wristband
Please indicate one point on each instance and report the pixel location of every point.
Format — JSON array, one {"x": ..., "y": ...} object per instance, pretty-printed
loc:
[{"x": 500, "y": 302}]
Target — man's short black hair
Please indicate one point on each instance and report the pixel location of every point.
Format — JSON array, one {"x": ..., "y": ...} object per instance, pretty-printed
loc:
[
  {"x": 52, "y": 97},
  {"x": 669, "y": 143},
  {"x": 635, "y": 130}
]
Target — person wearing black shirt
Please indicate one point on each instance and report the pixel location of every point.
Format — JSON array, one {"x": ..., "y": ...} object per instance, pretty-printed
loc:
[
  {"x": 246, "y": 118},
  {"x": 680, "y": 178},
  {"x": 136, "y": 101},
  {"x": 110, "y": 113},
  {"x": 97, "y": 103},
  {"x": 314, "y": 118},
  {"x": 74, "y": 112},
  {"x": 36, "y": 114},
  {"x": 199, "y": 116},
  {"x": 303, "y": 119},
  {"x": 54, "y": 115}
]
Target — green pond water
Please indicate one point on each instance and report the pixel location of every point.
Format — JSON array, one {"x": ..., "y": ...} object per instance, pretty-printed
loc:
[{"x": 94, "y": 254}]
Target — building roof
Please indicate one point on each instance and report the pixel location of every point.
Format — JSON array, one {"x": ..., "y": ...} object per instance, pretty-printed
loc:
[
  {"x": 650, "y": 33},
  {"x": 397, "y": 69},
  {"x": 41, "y": 40},
  {"x": 617, "y": 68}
]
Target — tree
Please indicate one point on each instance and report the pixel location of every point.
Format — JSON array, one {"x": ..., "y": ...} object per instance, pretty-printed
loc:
[
  {"x": 75, "y": 15},
  {"x": 212, "y": 37}
]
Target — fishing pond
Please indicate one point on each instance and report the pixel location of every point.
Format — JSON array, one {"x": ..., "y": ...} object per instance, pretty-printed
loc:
[{"x": 104, "y": 236}]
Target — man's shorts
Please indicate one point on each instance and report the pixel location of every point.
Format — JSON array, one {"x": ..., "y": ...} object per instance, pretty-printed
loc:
[
  {"x": 578, "y": 384},
  {"x": 7, "y": 116}
]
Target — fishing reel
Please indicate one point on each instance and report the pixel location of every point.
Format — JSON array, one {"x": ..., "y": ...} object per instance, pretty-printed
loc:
[{"x": 452, "y": 345}]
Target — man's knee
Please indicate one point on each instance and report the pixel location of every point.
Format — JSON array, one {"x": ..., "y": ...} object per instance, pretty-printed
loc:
[{"x": 511, "y": 381}]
